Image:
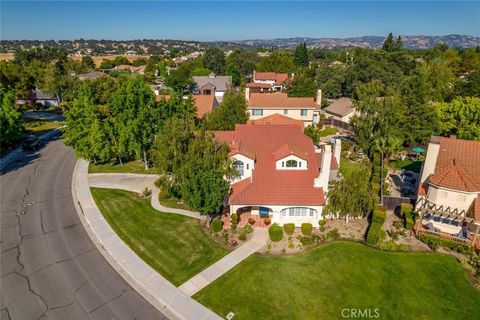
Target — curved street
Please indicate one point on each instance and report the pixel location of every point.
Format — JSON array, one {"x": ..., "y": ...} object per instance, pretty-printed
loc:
[{"x": 50, "y": 269}]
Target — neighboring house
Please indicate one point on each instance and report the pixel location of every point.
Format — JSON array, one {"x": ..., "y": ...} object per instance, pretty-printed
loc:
[
  {"x": 341, "y": 109},
  {"x": 203, "y": 103},
  {"x": 91, "y": 75},
  {"x": 267, "y": 82},
  {"x": 211, "y": 85},
  {"x": 449, "y": 189},
  {"x": 275, "y": 119},
  {"x": 282, "y": 175},
  {"x": 266, "y": 104},
  {"x": 133, "y": 69},
  {"x": 39, "y": 96}
]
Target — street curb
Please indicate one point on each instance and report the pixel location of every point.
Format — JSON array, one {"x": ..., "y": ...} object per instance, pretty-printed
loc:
[{"x": 158, "y": 291}]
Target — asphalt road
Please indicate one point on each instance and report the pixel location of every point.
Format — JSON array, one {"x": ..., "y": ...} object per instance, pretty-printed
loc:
[{"x": 50, "y": 269}]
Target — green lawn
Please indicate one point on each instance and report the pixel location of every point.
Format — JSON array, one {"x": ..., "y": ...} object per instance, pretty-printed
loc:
[
  {"x": 174, "y": 245},
  {"x": 346, "y": 165},
  {"x": 319, "y": 283},
  {"x": 39, "y": 127},
  {"x": 407, "y": 164},
  {"x": 328, "y": 131},
  {"x": 174, "y": 203},
  {"x": 127, "y": 167}
]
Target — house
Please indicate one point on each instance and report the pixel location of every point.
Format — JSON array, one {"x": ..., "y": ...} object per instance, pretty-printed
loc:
[
  {"x": 341, "y": 110},
  {"x": 211, "y": 85},
  {"x": 449, "y": 190},
  {"x": 40, "y": 97},
  {"x": 266, "y": 82},
  {"x": 203, "y": 103},
  {"x": 281, "y": 175},
  {"x": 91, "y": 75},
  {"x": 275, "y": 119},
  {"x": 265, "y": 104}
]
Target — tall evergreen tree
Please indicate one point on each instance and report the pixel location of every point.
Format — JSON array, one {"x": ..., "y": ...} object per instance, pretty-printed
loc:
[
  {"x": 214, "y": 59},
  {"x": 398, "y": 44},
  {"x": 389, "y": 43},
  {"x": 300, "y": 57},
  {"x": 232, "y": 70}
]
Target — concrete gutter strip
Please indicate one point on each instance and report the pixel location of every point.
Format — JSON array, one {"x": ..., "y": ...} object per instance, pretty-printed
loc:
[{"x": 152, "y": 286}]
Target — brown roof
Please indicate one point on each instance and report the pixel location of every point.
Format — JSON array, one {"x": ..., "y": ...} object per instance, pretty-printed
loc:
[
  {"x": 269, "y": 186},
  {"x": 275, "y": 119},
  {"x": 458, "y": 165},
  {"x": 204, "y": 104},
  {"x": 129, "y": 67},
  {"x": 288, "y": 149},
  {"x": 341, "y": 107},
  {"x": 279, "y": 78},
  {"x": 279, "y": 100}
]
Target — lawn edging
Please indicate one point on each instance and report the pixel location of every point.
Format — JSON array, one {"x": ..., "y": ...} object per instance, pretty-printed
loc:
[{"x": 147, "y": 282}]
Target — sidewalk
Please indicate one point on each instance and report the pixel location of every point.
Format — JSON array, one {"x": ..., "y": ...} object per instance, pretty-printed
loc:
[
  {"x": 171, "y": 301},
  {"x": 136, "y": 183},
  {"x": 207, "y": 276}
]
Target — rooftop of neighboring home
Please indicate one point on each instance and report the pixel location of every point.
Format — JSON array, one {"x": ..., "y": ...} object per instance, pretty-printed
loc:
[
  {"x": 129, "y": 67},
  {"x": 221, "y": 83},
  {"x": 275, "y": 119},
  {"x": 42, "y": 95},
  {"x": 279, "y": 100},
  {"x": 265, "y": 144},
  {"x": 458, "y": 164},
  {"x": 204, "y": 104},
  {"x": 278, "y": 78},
  {"x": 91, "y": 75},
  {"x": 341, "y": 107}
]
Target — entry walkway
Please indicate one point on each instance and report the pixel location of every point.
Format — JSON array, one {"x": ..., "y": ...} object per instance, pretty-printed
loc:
[{"x": 216, "y": 270}]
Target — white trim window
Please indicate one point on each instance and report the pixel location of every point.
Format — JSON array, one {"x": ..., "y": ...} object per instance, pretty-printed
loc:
[
  {"x": 292, "y": 163},
  {"x": 257, "y": 112},
  {"x": 298, "y": 212},
  {"x": 303, "y": 112},
  {"x": 238, "y": 165},
  {"x": 285, "y": 111}
]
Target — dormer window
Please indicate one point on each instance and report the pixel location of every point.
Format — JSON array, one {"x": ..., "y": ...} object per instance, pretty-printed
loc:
[
  {"x": 292, "y": 164},
  {"x": 238, "y": 165}
]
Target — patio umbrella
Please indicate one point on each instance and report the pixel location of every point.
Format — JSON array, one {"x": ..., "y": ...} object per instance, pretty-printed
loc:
[{"x": 418, "y": 150}]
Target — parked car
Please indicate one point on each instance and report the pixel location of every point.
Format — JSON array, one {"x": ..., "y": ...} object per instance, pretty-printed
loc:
[{"x": 31, "y": 143}]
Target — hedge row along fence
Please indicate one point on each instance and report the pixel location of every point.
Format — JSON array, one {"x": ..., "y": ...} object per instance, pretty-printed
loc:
[
  {"x": 435, "y": 242},
  {"x": 375, "y": 232},
  {"x": 408, "y": 215}
]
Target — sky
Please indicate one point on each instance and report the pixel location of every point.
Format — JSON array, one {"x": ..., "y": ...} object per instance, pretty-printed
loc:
[{"x": 233, "y": 20}]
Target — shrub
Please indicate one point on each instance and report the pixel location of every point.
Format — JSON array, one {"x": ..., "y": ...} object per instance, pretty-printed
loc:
[
  {"x": 307, "y": 229},
  {"x": 289, "y": 228},
  {"x": 434, "y": 242},
  {"x": 251, "y": 220},
  {"x": 216, "y": 225},
  {"x": 146, "y": 192},
  {"x": 306, "y": 241},
  {"x": 334, "y": 234},
  {"x": 316, "y": 239},
  {"x": 322, "y": 222},
  {"x": 233, "y": 243},
  {"x": 375, "y": 234},
  {"x": 267, "y": 221},
  {"x": 275, "y": 233},
  {"x": 247, "y": 228},
  {"x": 391, "y": 245},
  {"x": 242, "y": 236},
  {"x": 409, "y": 222},
  {"x": 379, "y": 215},
  {"x": 233, "y": 218},
  {"x": 405, "y": 208}
]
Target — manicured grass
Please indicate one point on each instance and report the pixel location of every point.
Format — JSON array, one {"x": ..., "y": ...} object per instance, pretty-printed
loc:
[
  {"x": 328, "y": 131},
  {"x": 407, "y": 164},
  {"x": 39, "y": 127},
  {"x": 319, "y": 283},
  {"x": 174, "y": 245},
  {"x": 347, "y": 166},
  {"x": 174, "y": 203},
  {"x": 127, "y": 167}
]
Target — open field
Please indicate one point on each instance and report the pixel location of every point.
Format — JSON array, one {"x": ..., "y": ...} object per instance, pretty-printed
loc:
[
  {"x": 319, "y": 283},
  {"x": 174, "y": 245}
]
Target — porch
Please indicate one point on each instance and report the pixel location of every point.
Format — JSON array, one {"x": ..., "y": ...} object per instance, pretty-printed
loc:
[{"x": 244, "y": 214}]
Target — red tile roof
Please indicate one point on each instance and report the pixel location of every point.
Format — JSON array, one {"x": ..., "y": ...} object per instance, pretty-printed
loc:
[
  {"x": 279, "y": 100},
  {"x": 275, "y": 119},
  {"x": 279, "y": 78},
  {"x": 204, "y": 104},
  {"x": 289, "y": 149},
  {"x": 458, "y": 165},
  {"x": 269, "y": 186}
]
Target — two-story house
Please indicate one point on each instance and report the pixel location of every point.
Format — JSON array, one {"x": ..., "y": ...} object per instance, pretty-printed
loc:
[
  {"x": 211, "y": 85},
  {"x": 265, "y": 104},
  {"x": 281, "y": 175},
  {"x": 267, "y": 82},
  {"x": 449, "y": 189}
]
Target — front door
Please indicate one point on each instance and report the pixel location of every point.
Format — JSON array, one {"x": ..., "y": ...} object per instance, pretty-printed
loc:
[{"x": 264, "y": 212}]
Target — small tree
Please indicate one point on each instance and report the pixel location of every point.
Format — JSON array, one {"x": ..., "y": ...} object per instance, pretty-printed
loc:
[{"x": 275, "y": 233}]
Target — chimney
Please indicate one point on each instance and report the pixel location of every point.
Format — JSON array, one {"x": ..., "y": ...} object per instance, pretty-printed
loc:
[
  {"x": 337, "y": 150},
  {"x": 253, "y": 75},
  {"x": 247, "y": 93},
  {"x": 322, "y": 180},
  {"x": 319, "y": 97}
]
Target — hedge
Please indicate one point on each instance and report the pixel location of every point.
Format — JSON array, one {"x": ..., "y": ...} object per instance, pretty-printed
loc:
[
  {"x": 275, "y": 233},
  {"x": 434, "y": 242},
  {"x": 405, "y": 208},
  {"x": 216, "y": 225},
  {"x": 289, "y": 228},
  {"x": 247, "y": 228},
  {"x": 379, "y": 215},
  {"x": 307, "y": 229},
  {"x": 375, "y": 232}
]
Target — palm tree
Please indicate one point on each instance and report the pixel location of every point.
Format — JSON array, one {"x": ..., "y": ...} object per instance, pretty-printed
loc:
[{"x": 386, "y": 145}]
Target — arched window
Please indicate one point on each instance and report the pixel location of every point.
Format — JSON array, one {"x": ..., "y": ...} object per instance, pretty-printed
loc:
[
  {"x": 292, "y": 163},
  {"x": 238, "y": 165},
  {"x": 298, "y": 212}
]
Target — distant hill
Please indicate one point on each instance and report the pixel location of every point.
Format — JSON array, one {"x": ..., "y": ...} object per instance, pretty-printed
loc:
[{"x": 412, "y": 42}]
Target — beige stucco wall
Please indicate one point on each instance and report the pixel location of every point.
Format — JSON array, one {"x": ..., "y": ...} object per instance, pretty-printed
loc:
[
  {"x": 292, "y": 113},
  {"x": 276, "y": 214},
  {"x": 247, "y": 162},
  {"x": 451, "y": 198}
]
